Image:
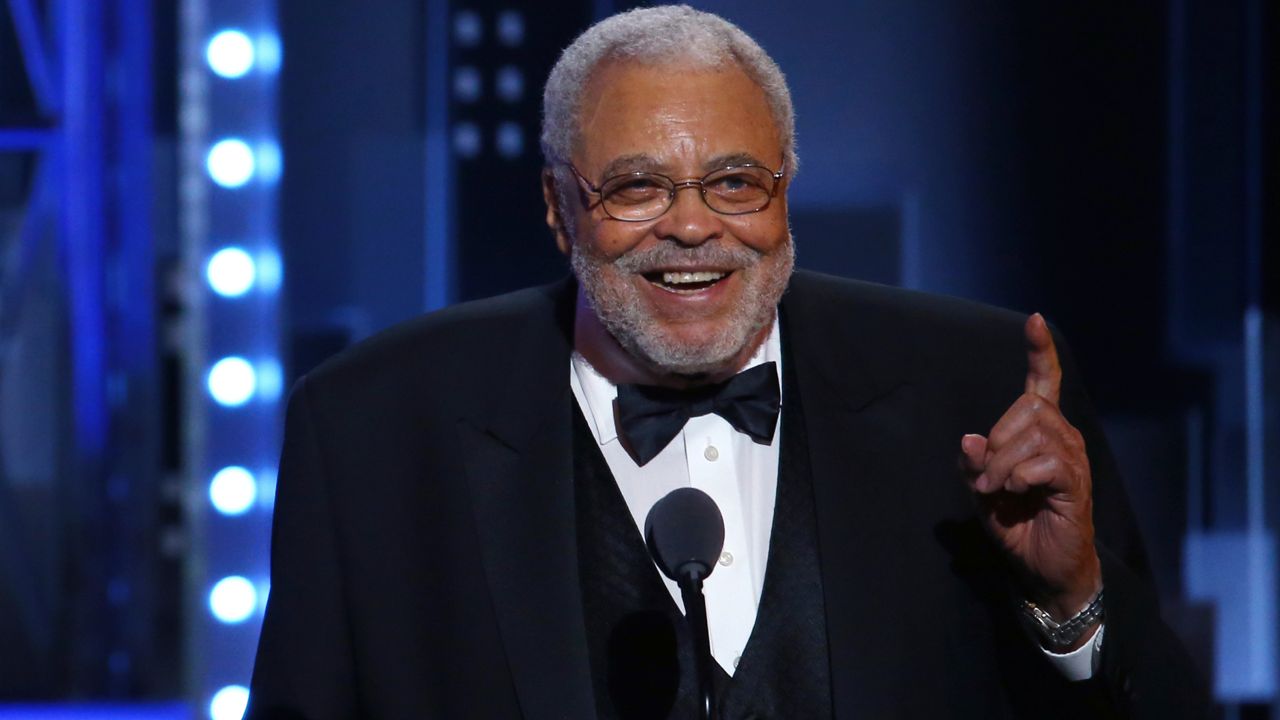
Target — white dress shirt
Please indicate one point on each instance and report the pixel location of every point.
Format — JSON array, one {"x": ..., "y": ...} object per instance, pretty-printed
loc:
[
  {"x": 710, "y": 455},
  {"x": 741, "y": 475}
]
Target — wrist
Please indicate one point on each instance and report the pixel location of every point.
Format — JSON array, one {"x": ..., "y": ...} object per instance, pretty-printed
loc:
[
  {"x": 1067, "y": 605},
  {"x": 1069, "y": 633},
  {"x": 1065, "y": 601}
]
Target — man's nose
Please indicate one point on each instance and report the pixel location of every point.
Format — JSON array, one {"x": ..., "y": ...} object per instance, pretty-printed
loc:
[{"x": 689, "y": 221}]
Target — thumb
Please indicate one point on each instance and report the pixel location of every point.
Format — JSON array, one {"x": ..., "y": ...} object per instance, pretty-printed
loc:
[
  {"x": 973, "y": 453},
  {"x": 1044, "y": 374}
]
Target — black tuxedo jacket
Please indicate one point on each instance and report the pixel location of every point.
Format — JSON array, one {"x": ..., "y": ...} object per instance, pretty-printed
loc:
[{"x": 424, "y": 560}]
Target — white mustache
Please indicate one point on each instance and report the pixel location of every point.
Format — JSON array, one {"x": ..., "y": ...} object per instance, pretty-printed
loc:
[{"x": 669, "y": 255}]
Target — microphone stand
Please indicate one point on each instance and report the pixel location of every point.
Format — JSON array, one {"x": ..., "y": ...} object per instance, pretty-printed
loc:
[
  {"x": 685, "y": 534},
  {"x": 695, "y": 611}
]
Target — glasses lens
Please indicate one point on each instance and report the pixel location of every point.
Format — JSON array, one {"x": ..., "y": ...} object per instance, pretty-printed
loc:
[
  {"x": 738, "y": 190},
  {"x": 636, "y": 197}
]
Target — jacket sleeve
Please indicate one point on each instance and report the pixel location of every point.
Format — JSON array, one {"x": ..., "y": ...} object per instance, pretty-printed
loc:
[
  {"x": 304, "y": 666},
  {"x": 1145, "y": 671}
]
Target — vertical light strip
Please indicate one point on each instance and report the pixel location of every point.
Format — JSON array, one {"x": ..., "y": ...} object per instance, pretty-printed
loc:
[{"x": 231, "y": 165}]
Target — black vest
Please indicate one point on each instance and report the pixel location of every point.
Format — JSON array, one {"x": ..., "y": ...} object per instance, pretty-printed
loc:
[{"x": 642, "y": 661}]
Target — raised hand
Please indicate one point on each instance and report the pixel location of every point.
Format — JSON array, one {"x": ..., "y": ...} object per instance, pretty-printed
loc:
[{"x": 1031, "y": 477}]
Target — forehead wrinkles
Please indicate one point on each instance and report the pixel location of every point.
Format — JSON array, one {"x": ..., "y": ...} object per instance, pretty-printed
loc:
[
  {"x": 672, "y": 111},
  {"x": 620, "y": 109}
]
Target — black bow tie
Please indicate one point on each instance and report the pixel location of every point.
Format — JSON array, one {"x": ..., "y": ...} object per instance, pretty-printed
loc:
[{"x": 649, "y": 417}]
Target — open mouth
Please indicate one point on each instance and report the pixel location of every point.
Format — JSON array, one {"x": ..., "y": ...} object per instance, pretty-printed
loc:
[{"x": 685, "y": 282}]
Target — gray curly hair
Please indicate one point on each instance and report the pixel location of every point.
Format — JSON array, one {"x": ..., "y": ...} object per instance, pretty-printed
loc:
[{"x": 656, "y": 35}]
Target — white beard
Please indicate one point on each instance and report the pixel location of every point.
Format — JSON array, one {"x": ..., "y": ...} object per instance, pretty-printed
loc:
[{"x": 620, "y": 305}]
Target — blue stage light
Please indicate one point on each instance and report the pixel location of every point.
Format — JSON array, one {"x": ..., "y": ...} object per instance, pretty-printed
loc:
[
  {"x": 233, "y": 599},
  {"x": 511, "y": 28},
  {"x": 230, "y": 54},
  {"x": 466, "y": 139},
  {"x": 233, "y": 490},
  {"x": 229, "y": 703},
  {"x": 230, "y": 163},
  {"x": 467, "y": 85},
  {"x": 231, "y": 272},
  {"x": 510, "y": 83},
  {"x": 467, "y": 28},
  {"x": 234, "y": 137},
  {"x": 232, "y": 381},
  {"x": 510, "y": 140}
]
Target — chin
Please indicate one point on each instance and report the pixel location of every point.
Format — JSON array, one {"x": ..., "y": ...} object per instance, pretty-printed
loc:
[
  {"x": 703, "y": 349},
  {"x": 688, "y": 360}
]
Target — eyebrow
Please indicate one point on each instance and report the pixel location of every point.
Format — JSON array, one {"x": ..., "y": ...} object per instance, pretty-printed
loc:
[
  {"x": 643, "y": 162},
  {"x": 639, "y": 162},
  {"x": 732, "y": 159}
]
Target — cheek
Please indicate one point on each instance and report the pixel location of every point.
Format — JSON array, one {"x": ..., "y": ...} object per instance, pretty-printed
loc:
[
  {"x": 611, "y": 240},
  {"x": 763, "y": 234}
]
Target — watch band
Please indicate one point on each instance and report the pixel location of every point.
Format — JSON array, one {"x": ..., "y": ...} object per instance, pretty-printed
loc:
[{"x": 1062, "y": 635}]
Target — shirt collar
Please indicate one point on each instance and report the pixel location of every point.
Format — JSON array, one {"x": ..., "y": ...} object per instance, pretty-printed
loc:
[{"x": 599, "y": 393}]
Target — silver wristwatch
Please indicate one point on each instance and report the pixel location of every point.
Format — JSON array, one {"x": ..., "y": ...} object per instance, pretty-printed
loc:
[{"x": 1061, "y": 635}]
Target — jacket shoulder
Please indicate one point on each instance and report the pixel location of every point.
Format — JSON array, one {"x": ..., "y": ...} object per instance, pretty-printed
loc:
[
  {"x": 872, "y": 307},
  {"x": 442, "y": 348}
]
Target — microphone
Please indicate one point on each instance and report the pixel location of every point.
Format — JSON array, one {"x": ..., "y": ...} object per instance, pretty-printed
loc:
[{"x": 685, "y": 534}]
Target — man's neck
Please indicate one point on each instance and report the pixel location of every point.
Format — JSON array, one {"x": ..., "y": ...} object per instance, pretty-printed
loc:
[{"x": 598, "y": 346}]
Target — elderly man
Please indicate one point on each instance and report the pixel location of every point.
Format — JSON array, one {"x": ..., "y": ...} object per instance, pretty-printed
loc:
[{"x": 931, "y": 527}]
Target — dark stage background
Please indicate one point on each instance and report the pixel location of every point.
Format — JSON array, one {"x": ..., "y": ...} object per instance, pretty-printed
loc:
[{"x": 1111, "y": 165}]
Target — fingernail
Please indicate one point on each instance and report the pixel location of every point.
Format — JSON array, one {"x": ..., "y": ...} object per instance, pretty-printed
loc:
[{"x": 981, "y": 483}]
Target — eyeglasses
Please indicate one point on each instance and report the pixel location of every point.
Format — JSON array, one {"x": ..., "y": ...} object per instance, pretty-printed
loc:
[{"x": 640, "y": 196}]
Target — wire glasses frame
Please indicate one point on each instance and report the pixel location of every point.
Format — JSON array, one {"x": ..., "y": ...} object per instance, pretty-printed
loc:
[{"x": 643, "y": 196}]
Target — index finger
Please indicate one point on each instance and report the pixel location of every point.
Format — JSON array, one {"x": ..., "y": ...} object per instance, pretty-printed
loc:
[{"x": 1044, "y": 374}]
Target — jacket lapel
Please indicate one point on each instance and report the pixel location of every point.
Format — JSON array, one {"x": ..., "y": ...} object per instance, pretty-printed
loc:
[
  {"x": 858, "y": 411},
  {"x": 519, "y": 466}
]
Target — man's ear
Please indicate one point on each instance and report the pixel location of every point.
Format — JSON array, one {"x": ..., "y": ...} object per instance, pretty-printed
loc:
[{"x": 555, "y": 214}]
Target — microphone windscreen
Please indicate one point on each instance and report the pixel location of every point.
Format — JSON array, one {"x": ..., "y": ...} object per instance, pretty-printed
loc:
[{"x": 685, "y": 529}]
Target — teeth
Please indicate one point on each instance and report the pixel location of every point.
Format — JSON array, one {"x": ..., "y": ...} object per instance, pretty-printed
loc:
[{"x": 676, "y": 278}]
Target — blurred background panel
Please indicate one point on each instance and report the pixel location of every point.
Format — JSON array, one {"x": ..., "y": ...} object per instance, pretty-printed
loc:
[
  {"x": 201, "y": 200},
  {"x": 88, "y": 595}
]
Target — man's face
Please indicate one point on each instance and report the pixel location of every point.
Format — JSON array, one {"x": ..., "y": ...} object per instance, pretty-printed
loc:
[{"x": 682, "y": 124}]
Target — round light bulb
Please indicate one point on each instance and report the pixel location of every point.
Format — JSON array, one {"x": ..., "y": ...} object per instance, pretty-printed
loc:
[
  {"x": 232, "y": 381},
  {"x": 231, "y": 163},
  {"x": 230, "y": 54},
  {"x": 231, "y": 272},
  {"x": 233, "y": 599},
  {"x": 233, "y": 490}
]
